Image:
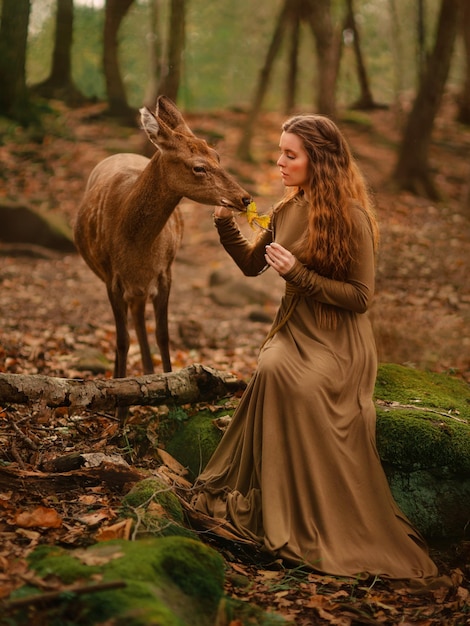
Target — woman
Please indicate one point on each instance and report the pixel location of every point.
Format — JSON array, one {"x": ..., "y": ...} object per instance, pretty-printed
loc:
[{"x": 297, "y": 470}]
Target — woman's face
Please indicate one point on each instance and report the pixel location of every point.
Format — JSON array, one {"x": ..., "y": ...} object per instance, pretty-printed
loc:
[{"x": 293, "y": 162}]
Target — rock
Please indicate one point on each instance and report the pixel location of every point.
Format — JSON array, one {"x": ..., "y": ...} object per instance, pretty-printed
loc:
[
  {"x": 236, "y": 292},
  {"x": 170, "y": 580},
  {"x": 23, "y": 224},
  {"x": 423, "y": 438}
]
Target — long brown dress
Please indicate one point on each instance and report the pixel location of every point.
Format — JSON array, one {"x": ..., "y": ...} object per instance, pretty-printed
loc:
[{"x": 298, "y": 470}]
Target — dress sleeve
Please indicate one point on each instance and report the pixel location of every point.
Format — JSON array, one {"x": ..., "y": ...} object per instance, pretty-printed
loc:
[
  {"x": 248, "y": 255},
  {"x": 353, "y": 294}
]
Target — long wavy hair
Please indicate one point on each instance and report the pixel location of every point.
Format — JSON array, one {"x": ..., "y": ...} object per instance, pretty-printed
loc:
[{"x": 335, "y": 186}]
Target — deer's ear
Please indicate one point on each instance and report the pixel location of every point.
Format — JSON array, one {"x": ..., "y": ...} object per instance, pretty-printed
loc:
[
  {"x": 168, "y": 113},
  {"x": 150, "y": 125}
]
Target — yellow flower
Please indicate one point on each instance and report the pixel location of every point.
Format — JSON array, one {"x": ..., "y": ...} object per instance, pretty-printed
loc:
[{"x": 254, "y": 218}]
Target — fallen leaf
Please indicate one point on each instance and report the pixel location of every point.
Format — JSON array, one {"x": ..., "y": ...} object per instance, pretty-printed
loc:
[{"x": 40, "y": 517}]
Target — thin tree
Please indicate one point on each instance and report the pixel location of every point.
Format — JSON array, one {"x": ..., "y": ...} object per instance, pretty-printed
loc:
[
  {"x": 464, "y": 97},
  {"x": 59, "y": 83},
  {"x": 115, "y": 11},
  {"x": 412, "y": 170},
  {"x": 155, "y": 53},
  {"x": 171, "y": 77},
  {"x": 317, "y": 14},
  {"x": 365, "y": 100},
  {"x": 14, "y": 98}
]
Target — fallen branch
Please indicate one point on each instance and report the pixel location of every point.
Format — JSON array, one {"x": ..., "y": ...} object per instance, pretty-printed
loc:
[
  {"x": 52, "y": 596},
  {"x": 196, "y": 383}
]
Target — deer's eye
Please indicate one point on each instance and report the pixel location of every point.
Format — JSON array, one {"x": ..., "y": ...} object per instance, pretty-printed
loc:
[{"x": 199, "y": 169}]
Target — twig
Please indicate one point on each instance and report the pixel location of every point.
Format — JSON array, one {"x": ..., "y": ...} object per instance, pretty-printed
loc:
[
  {"x": 397, "y": 405},
  {"x": 54, "y": 595}
]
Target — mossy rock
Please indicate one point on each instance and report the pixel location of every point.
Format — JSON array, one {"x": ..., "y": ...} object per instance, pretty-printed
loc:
[
  {"x": 170, "y": 581},
  {"x": 155, "y": 509},
  {"x": 195, "y": 441},
  {"x": 423, "y": 438}
]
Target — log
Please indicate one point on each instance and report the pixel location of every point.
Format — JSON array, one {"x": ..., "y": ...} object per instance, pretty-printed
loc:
[{"x": 195, "y": 383}]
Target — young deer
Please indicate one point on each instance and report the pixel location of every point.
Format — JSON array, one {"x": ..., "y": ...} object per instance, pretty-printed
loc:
[{"x": 129, "y": 228}]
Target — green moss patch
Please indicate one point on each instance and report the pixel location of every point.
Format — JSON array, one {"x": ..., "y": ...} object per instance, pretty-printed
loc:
[
  {"x": 170, "y": 581},
  {"x": 423, "y": 420},
  {"x": 195, "y": 441}
]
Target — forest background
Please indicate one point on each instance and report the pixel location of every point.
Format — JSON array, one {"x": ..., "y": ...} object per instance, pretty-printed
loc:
[{"x": 403, "y": 103}]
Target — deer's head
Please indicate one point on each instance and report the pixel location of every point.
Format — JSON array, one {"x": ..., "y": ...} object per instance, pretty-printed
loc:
[{"x": 191, "y": 167}]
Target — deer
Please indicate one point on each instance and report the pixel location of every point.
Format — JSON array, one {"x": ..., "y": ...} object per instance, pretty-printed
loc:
[{"x": 129, "y": 226}]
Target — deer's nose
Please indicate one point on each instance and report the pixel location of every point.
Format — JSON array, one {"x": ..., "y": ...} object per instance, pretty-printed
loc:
[{"x": 247, "y": 201}]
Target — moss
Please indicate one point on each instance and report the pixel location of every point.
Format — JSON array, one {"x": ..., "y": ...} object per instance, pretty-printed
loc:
[
  {"x": 196, "y": 571},
  {"x": 193, "y": 444},
  {"x": 53, "y": 561},
  {"x": 396, "y": 383},
  {"x": 165, "y": 520},
  {"x": 435, "y": 437},
  {"x": 153, "y": 489},
  {"x": 169, "y": 582}
]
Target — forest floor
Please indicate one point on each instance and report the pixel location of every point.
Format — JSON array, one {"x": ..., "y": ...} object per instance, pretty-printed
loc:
[{"x": 55, "y": 318}]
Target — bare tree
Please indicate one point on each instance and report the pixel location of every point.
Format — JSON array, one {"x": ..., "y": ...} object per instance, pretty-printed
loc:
[
  {"x": 317, "y": 14},
  {"x": 155, "y": 50},
  {"x": 365, "y": 100},
  {"x": 464, "y": 99},
  {"x": 170, "y": 82},
  {"x": 14, "y": 100},
  {"x": 412, "y": 170},
  {"x": 59, "y": 84},
  {"x": 115, "y": 11}
]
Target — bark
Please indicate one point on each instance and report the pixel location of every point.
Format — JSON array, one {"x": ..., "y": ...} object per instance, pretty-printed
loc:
[
  {"x": 155, "y": 54},
  {"x": 59, "y": 84},
  {"x": 319, "y": 17},
  {"x": 293, "y": 71},
  {"x": 244, "y": 147},
  {"x": 176, "y": 38},
  {"x": 366, "y": 100},
  {"x": 14, "y": 100},
  {"x": 196, "y": 383},
  {"x": 115, "y": 11},
  {"x": 412, "y": 171},
  {"x": 113, "y": 474},
  {"x": 464, "y": 99}
]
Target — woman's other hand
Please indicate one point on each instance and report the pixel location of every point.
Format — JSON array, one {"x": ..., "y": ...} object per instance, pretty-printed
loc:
[
  {"x": 221, "y": 211},
  {"x": 279, "y": 258}
]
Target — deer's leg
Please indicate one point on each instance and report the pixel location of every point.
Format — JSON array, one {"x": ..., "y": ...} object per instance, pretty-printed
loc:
[
  {"x": 119, "y": 307},
  {"x": 160, "y": 306},
  {"x": 138, "y": 317}
]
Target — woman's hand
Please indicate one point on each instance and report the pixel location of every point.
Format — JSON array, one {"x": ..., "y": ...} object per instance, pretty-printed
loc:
[
  {"x": 279, "y": 258},
  {"x": 221, "y": 211}
]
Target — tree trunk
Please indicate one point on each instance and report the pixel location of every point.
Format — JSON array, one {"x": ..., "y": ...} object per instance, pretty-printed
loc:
[
  {"x": 420, "y": 42},
  {"x": 155, "y": 54},
  {"x": 464, "y": 99},
  {"x": 195, "y": 383},
  {"x": 14, "y": 101},
  {"x": 319, "y": 16},
  {"x": 176, "y": 42},
  {"x": 59, "y": 84},
  {"x": 244, "y": 147},
  {"x": 412, "y": 171},
  {"x": 293, "y": 68},
  {"x": 365, "y": 101},
  {"x": 115, "y": 11}
]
